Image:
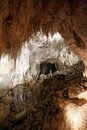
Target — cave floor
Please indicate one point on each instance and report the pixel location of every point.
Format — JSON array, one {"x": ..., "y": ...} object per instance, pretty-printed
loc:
[{"x": 45, "y": 113}]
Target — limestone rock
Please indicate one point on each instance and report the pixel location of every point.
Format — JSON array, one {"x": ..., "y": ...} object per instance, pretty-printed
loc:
[
  {"x": 18, "y": 21},
  {"x": 4, "y": 111},
  {"x": 18, "y": 116},
  {"x": 74, "y": 91}
]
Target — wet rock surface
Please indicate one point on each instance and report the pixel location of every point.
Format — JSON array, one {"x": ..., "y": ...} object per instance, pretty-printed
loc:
[{"x": 37, "y": 107}]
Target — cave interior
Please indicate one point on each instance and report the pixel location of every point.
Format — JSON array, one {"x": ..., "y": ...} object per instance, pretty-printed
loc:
[{"x": 43, "y": 65}]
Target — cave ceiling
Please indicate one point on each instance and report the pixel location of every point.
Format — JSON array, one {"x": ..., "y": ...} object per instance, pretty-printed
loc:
[{"x": 20, "y": 18}]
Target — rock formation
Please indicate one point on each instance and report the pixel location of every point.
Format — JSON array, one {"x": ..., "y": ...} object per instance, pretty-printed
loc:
[
  {"x": 35, "y": 107},
  {"x": 48, "y": 102},
  {"x": 19, "y": 19}
]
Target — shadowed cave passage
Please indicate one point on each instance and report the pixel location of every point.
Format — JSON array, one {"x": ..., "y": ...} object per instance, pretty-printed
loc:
[{"x": 46, "y": 68}]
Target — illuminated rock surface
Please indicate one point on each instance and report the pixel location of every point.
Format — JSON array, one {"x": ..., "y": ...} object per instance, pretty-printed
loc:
[
  {"x": 35, "y": 106},
  {"x": 39, "y": 49},
  {"x": 19, "y": 19},
  {"x": 29, "y": 90},
  {"x": 29, "y": 99}
]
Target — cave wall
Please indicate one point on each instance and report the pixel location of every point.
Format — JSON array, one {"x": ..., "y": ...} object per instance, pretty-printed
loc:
[{"x": 20, "y": 18}]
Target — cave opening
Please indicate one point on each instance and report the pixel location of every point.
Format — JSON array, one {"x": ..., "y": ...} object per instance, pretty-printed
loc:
[
  {"x": 40, "y": 55},
  {"x": 46, "y": 56},
  {"x": 47, "y": 68}
]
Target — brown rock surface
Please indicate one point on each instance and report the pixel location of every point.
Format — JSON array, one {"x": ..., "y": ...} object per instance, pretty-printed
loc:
[
  {"x": 20, "y": 18},
  {"x": 42, "y": 105},
  {"x": 4, "y": 112}
]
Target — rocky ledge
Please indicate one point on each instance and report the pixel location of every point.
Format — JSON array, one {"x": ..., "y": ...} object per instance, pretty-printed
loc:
[{"x": 34, "y": 107}]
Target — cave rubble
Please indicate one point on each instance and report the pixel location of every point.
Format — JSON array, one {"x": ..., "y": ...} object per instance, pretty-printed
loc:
[{"x": 42, "y": 97}]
